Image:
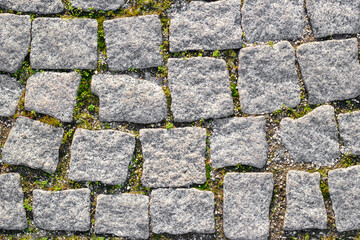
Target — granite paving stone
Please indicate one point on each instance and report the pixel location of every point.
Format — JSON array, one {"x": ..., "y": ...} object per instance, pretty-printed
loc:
[
  {"x": 349, "y": 124},
  {"x": 34, "y": 6},
  {"x": 97, "y": 5},
  {"x": 10, "y": 91}
]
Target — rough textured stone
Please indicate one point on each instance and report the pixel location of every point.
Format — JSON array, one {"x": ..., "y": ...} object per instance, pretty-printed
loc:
[
  {"x": 238, "y": 141},
  {"x": 200, "y": 88},
  {"x": 14, "y": 41},
  {"x": 124, "y": 98},
  {"x": 101, "y": 156},
  {"x": 305, "y": 204},
  {"x": 174, "y": 157},
  {"x": 10, "y": 92},
  {"x": 312, "y": 138},
  {"x": 67, "y": 210},
  {"x": 182, "y": 211},
  {"x": 330, "y": 70},
  {"x": 133, "y": 42},
  {"x": 207, "y": 26},
  {"x": 59, "y": 43},
  {"x": 268, "y": 78},
  {"x": 33, "y": 144},
  {"x": 105, "y": 5},
  {"x": 349, "y": 125},
  {"x": 124, "y": 215},
  {"x": 265, "y": 20},
  {"x": 12, "y": 212},
  {"x": 53, "y": 93},
  {"x": 34, "y": 6}
]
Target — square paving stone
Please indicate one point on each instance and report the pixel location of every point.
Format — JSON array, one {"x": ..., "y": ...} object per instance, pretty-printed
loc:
[
  {"x": 101, "y": 156},
  {"x": 349, "y": 124},
  {"x": 133, "y": 42},
  {"x": 305, "y": 208},
  {"x": 53, "y": 93},
  {"x": 59, "y": 43},
  {"x": 312, "y": 138},
  {"x": 124, "y": 215},
  {"x": 124, "y": 98},
  {"x": 200, "y": 88},
  {"x": 174, "y": 157},
  {"x": 104, "y": 5},
  {"x": 12, "y": 212},
  {"x": 247, "y": 198},
  {"x": 330, "y": 70},
  {"x": 267, "y": 78},
  {"x": 10, "y": 92},
  {"x": 33, "y": 144},
  {"x": 14, "y": 41},
  {"x": 207, "y": 26},
  {"x": 34, "y": 6},
  {"x": 67, "y": 210},
  {"x": 181, "y": 211},
  {"x": 238, "y": 141}
]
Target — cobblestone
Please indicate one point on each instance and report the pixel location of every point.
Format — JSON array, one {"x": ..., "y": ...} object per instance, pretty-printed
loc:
[
  {"x": 34, "y": 6},
  {"x": 350, "y": 131},
  {"x": 10, "y": 92},
  {"x": 97, "y": 5}
]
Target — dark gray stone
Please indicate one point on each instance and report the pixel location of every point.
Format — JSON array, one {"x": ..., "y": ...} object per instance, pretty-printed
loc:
[
  {"x": 200, "y": 88},
  {"x": 67, "y": 210},
  {"x": 349, "y": 124},
  {"x": 10, "y": 92},
  {"x": 124, "y": 215},
  {"x": 267, "y": 78},
  {"x": 305, "y": 204},
  {"x": 59, "y": 43},
  {"x": 124, "y": 98},
  {"x": 105, "y": 5},
  {"x": 180, "y": 211},
  {"x": 312, "y": 138},
  {"x": 34, "y": 6},
  {"x": 174, "y": 157},
  {"x": 33, "y": 144}
]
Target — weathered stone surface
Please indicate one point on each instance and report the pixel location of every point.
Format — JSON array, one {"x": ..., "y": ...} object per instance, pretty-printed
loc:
[
  {"x": 10, "y": 92},
  {"x": 268, "y": 78},
  {"x": 133, "y": 42},
  {"x": 312, "y": 138},
  {"x": 238, "y": 141},
  {"x": 53, "y": 93},
  {"x": 34, "y": 6},
  {"x": 105, "y": 5},
  {"x": 200, "y": 88},
  {"x": 180, "y": 211},
  {"x": 349, "y": 124},
  {"x": 14, "y": 41},
  {"x": 33, "y": 144},
  {"x": 247, "y": 198},
  {"x": 305, "y": 204},
  {"x": 330, "y": 70},
  {"x": 124, "y": 215},
  {"x": 174, "y": 157},
  {"x": 265, "y": 20},
  {"x": 12, "y": 212},
  {"x": 207, "y": 26},
  {"x": 124, "y": 98},
  {"x": 334, "y": 17},
  {"x": 67, "y": 210},
  {"x": 344, "y": 193},
  {"x": 101, "y": 156},
  {"x": 59, "y": 43}
]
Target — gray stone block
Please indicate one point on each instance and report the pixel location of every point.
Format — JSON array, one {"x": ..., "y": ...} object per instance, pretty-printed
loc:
[
  {"x": 268, "y": 78},
  {"x": 34, "y": 6},
  {"x": 200, "y": 88},
  {"x": 349, "y": 124},
  {"x": 10, "y": 92},
  {"x": 124, "y": 98},
  {"x": 33, "y": 144},
  {"x": 105, "y": 5},
  {"x": 181, "y": 211}
]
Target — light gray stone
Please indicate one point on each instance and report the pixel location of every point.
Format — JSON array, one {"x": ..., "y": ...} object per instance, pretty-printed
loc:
[
  {"x": 181, "y": 211},
  {"x": 207, "y": 26},
  {"x": 238, "y": 141},
  {"x": 101, "y": 156},
  {"x": 267, "y": 78},
  {"x": 312, "y": 138},
  {"x": 330, "y": 70},
  {"x": 174, "y": 157},
  {"x": 33, "y": 144},
  {"x": 12, "y": 212},
  {"x": 305, "y": 208},
  {"x": 200, "y": 88},
  {"x": 133, "y": 42},
  {"x": 34, "y": 6},
  {"x": 349, "y": 124},
  {"x": 265, "y": 20},
  {"x": 10, "y": 92},
  {"x": 124, "y": 215},
  {"x": 59, "y": 43},
  {"x": 105, "y": 5},
  {"x": 14, "y": 41},
  {"x": 124, "y": 98},
  {"x": 67, "y": 210},
  {"x": 53, "y": 94}
]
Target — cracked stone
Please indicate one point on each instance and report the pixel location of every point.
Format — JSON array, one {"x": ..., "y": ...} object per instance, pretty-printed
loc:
[
  {"x": 350, "y": 131},
  {"x": 10, "y": 92},
  {"x": 97, "y": 5},
  {"x": 34, "y": 6}
]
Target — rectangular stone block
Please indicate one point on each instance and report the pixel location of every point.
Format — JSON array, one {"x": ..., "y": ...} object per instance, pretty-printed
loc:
[
  {"x": 97, "y": 5},
  {"x": 349, "y": 125},
  {"x": 10, "y": 91},
  {"x": 34, "y": 6}
]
